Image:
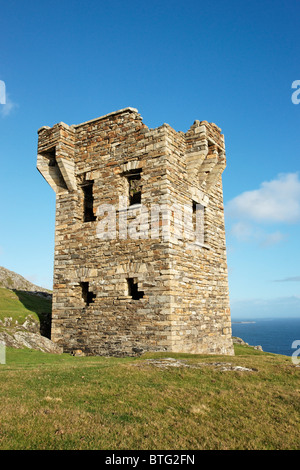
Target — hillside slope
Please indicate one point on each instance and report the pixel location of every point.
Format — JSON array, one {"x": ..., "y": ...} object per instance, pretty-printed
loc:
[
  {"x": 11, "y": 280},
  {"x": 25, "y": 313},
  {"x": 17, "y": 305},
  {"x": 25, "y": 321}
]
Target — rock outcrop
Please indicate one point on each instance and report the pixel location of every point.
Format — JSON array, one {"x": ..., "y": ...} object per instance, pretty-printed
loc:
[
  {"x": 237, "y": 340},
  {"x": 14, "y": 281},
  {"x": 27, "y": 339},
  {"x": 26, "y": 335}
]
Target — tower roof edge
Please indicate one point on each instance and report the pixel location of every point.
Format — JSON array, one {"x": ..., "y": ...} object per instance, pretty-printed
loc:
[{"x": 120, "y": 111}]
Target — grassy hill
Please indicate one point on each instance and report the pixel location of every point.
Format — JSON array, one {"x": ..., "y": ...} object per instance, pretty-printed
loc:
[
  {"x": 17, "y": 305},
  {"x": 249, "y": 401}
]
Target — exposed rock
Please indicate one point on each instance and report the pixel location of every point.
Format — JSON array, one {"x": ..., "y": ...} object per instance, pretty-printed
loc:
[
  {"x": 12, "y": 280},
  {"x": 224, "y": 366},
  {"x": 8, "y": 340},
  {"x": 164, "y": 363},
  {"x": 31, "y": 325},
  {"x": 26, "y": 335},
  {"x": 237, "y": 340},
  {"x": 26, "y": 339},
  {"x": 78, "y": 352}
]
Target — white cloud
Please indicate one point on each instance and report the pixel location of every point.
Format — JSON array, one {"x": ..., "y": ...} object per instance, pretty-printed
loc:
[
  {"x": 275, "y": 201},
  {"x": 242, "y": 231},
  {"x": 245, "y": 232},
  {"x": 7, "y": 108},
  {"x": 272, "y": 239}
]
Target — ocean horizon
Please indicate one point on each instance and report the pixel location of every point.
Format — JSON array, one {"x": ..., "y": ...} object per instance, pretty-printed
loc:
[{"x": 274, "y": 335}]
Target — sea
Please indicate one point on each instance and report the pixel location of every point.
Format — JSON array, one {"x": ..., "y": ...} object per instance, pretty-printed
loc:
[{"x": 274, "y": 335}]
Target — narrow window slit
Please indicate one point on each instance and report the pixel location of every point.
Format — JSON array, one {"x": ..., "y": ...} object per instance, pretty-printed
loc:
[
  {"x": 87, "y": 295},
  {"x": 194, "y": 216},
  {"x": 198, "y": 222},
  {"x": 88, "y": 201},
  {"x": 134, "y": 186}
]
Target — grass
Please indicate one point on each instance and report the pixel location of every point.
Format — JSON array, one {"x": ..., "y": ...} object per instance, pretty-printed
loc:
[
  {"x": 77, "y": 403},
  {"x": 18, "y": 305}
]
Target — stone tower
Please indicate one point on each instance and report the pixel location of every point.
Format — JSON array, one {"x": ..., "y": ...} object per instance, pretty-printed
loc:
[{"x": 140, "y": 254}]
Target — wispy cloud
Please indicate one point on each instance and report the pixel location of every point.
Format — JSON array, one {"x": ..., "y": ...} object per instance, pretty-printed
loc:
[
  {"x": 259, "y": 308},
  {"x": 247, "y": 232},
  {"x": 288, "y": 279},
  {"x": 7, "y": 108},
  {"x": 271, "y": 239},
  {"x": 242, "y": 231}
]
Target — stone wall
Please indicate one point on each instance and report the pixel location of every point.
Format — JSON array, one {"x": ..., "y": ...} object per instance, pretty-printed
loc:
[{"x": 134, "y": 278}]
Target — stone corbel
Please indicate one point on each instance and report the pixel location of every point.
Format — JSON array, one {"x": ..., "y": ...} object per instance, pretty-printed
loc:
[
  {"x": 194, "y": 161},
  {"x": 59, "y": 172},
  {"x": 216, "y": 171},
  {"x": 67, "y": 169},
  {"x": 207, "y": 167},
  {"x": 50, "y": 170}
]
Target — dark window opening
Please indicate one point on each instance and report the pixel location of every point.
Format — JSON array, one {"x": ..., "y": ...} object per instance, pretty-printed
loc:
[
  {"x": 194, "y": 215},
  {"x": 88, "y": 202},
  {"x": 133, "y": 290},
  {"x": 51, "y": 155},
  {"x": 199, "y": 221},
  {"x": 212, "y": 147},
  {"x": 135, "y": 189},
  {"x": 87, "y": 295}
]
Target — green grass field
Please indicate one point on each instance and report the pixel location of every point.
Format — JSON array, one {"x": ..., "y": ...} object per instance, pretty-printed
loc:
[
  {"x": 53, "y": 402},
  {"x": 63, "y": 402}
]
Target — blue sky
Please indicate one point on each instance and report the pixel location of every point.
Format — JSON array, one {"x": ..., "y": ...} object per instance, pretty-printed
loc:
[{"x": 229, "y": 62}]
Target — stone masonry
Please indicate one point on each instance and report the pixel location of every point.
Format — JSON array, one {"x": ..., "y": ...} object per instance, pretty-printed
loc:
[{"x": 140, "y": 255}]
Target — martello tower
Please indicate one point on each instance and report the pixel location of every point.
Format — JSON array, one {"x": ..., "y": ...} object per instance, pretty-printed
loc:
[{"x": 140, "y": 254}]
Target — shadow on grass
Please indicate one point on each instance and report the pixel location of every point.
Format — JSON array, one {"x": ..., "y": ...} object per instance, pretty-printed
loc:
[{"x": 39, "y": 303}]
